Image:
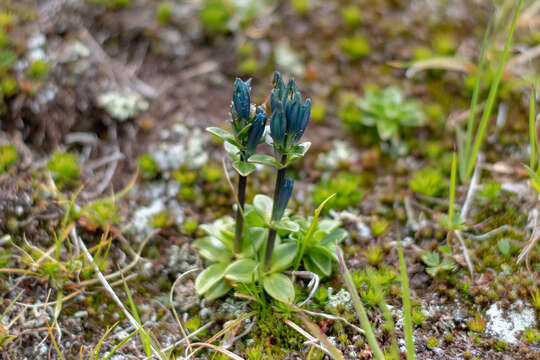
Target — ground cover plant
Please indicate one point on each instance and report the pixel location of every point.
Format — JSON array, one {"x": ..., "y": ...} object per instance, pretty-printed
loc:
[{"x": 269, "y": 179}]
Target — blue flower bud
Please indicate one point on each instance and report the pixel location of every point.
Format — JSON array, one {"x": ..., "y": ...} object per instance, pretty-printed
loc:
[
  {"x": 241, "y": 98},
  {"x": 292, "y": 113},
  {"x": 285, "y": 193},
  {"x": 305, "y": 113},
  {"x": 278, "y": 123},
  {"x": 255, "y": 132}
]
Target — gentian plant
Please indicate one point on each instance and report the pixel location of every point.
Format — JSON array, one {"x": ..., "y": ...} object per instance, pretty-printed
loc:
[{"x": 252, "y": 252}]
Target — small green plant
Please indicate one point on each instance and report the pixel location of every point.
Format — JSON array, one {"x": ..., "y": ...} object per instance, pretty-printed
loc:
[
  {"x": 301, "y": 6},
  {"x": 418, "y": 316},
  {"x": 535, "y": 299},
  {"x": 251, "y": 253},
  {"x": 534, "y": 162},
  {"x": 215, "y": 17},
  {"x": 374, "y": 255},
  {"x": 432, "y": 343},
  {"x": 147, "y": 166},
  {"x": 477, "y": 324},
  {"x": 387, "y": 110},
  {"x": 531, "y": 336},
  {"x": 352, "y": 15},
  {"x": 163, "y": 13},
  {"x": 355, "y": 47},
  {"x": 39, "y": 69},
  {"x": 428, "y": 182},
  {"x": 64, "y": 168},
  {"x": 434, "y": 265},
  {"x": 8, "y": 157},
  {"x": 347, "y": 188}
]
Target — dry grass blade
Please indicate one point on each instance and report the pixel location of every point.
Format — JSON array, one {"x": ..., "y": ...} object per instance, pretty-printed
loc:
[
  {"x": 171, "y": 297},
  {"x": 315, "y": 330}
]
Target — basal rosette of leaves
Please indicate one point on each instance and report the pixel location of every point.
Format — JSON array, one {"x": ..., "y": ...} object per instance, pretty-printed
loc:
[
  {"x": 299, "y": 241},
  {"x": 387, "y": 110}
]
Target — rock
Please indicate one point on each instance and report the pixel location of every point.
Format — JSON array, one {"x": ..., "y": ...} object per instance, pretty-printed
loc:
[{"x": 506, "y": 324}]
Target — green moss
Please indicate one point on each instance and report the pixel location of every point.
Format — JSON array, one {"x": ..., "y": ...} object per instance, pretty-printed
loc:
[
  {"x": 4, "y": 39},
  {"x": 249, "y": 65},
  {"x": 39, "y": 69},
  {"x": 189, "y": 227},
  {"x": 184, "y": 177},
  {"x": 444, "y": 43},
  {"x": 346, "y": 186},
  {"x": 7, "y": 58},
  {"x": 163, "y": 13},
  {"x": 215, "y": 16},
  {"x": 64, "y": 168},
  {"x": 147, "y": 166},
  {"x": 111, "y": 4},
  {"x": 161, "y": 220},
  {"x": 212, "y": 173},
  {"x": 428, "y": 182},
  {"x": 300, "y": 6},
  {"x": 374, "y": 255},
  {"x": 6, "y": 19},
  {"x": 422, "y": 53},
  {"x": 417, "y": 316},
  {"x": 379, "y": 227},
  {"x": 101, "y": 213},
  {"x": 352, "y": 15},
  {"x": 477, "y": 324},
  {"x": 432, "y": 343},
  {"x": 8, "y": 157},
  {"x": 9, "y": 87},
  {"x": 355, "y": 47}
]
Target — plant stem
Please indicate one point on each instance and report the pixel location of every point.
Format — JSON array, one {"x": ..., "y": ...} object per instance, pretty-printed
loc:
[
  {"x": 272, "y": 233},
  {"x": 406, "y": 300},
  {"x": 242, "y": 180}
]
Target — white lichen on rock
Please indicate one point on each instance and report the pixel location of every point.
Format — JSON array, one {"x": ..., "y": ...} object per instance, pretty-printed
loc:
[
  {"x": 122, "y": 105},
  {"x": 339, "y": 155},
  {"x": 339, "y": 301},
  {"x": 506, "y": 324},
  {"x": 186, "y": 151}
]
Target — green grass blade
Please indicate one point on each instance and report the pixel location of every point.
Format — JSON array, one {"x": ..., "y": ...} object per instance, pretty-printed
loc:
[
  {"x": 333, "y": 351},
  {"x": 532, "y": 129},
  {"x": 145, "y": 339},
  {"x": 394, "y": 350},
  {"x": 452, "y": 187},
  {"x": 406, "y": 299},
  {"x": 117, "y": 346},
  {"x": 491, "y": 97},
  {"x": 359, "y": 307},
  {"x": 474, "y": 102}
]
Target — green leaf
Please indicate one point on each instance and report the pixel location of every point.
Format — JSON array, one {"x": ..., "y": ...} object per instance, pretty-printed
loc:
[
  {"x": 535, "y": 179},
  {"x": 431, "y": 259},
  {"x": 263, "y": 205},
  {"x": 244, "y": 131},
  {"x": 285, "y": 224},
  {"x": 209, "y": 277},
  {"x": 220, "y": 133},
  {"x": 282, "y": 257},
  {"x": 265, "y": 160},
  {"x": 504, "y": 246},
  {"x": 253, "y": 238},
  {"x": 241, "y": 270},
  {"x": 253, "y": 218},
  {"x": 224, "y": 135},
  {"x": 328, "y": 225},
  {"x": 212, "y": 249},
  {"x": 218, "y": 290},
  {"x": 318, "y": 261},
  {"x": 243, "y": 168},
  {"x": 222, "y": 229},
  {"x": 280, "y": 287},
  {"x": 232, "y": 150},
  {"x": 335, "y": 236}
]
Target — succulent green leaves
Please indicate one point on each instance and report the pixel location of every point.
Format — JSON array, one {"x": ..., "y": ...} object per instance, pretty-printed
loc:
[
  {"x": 209, "y": 277},
  {"x": 280, "y": 287}
]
